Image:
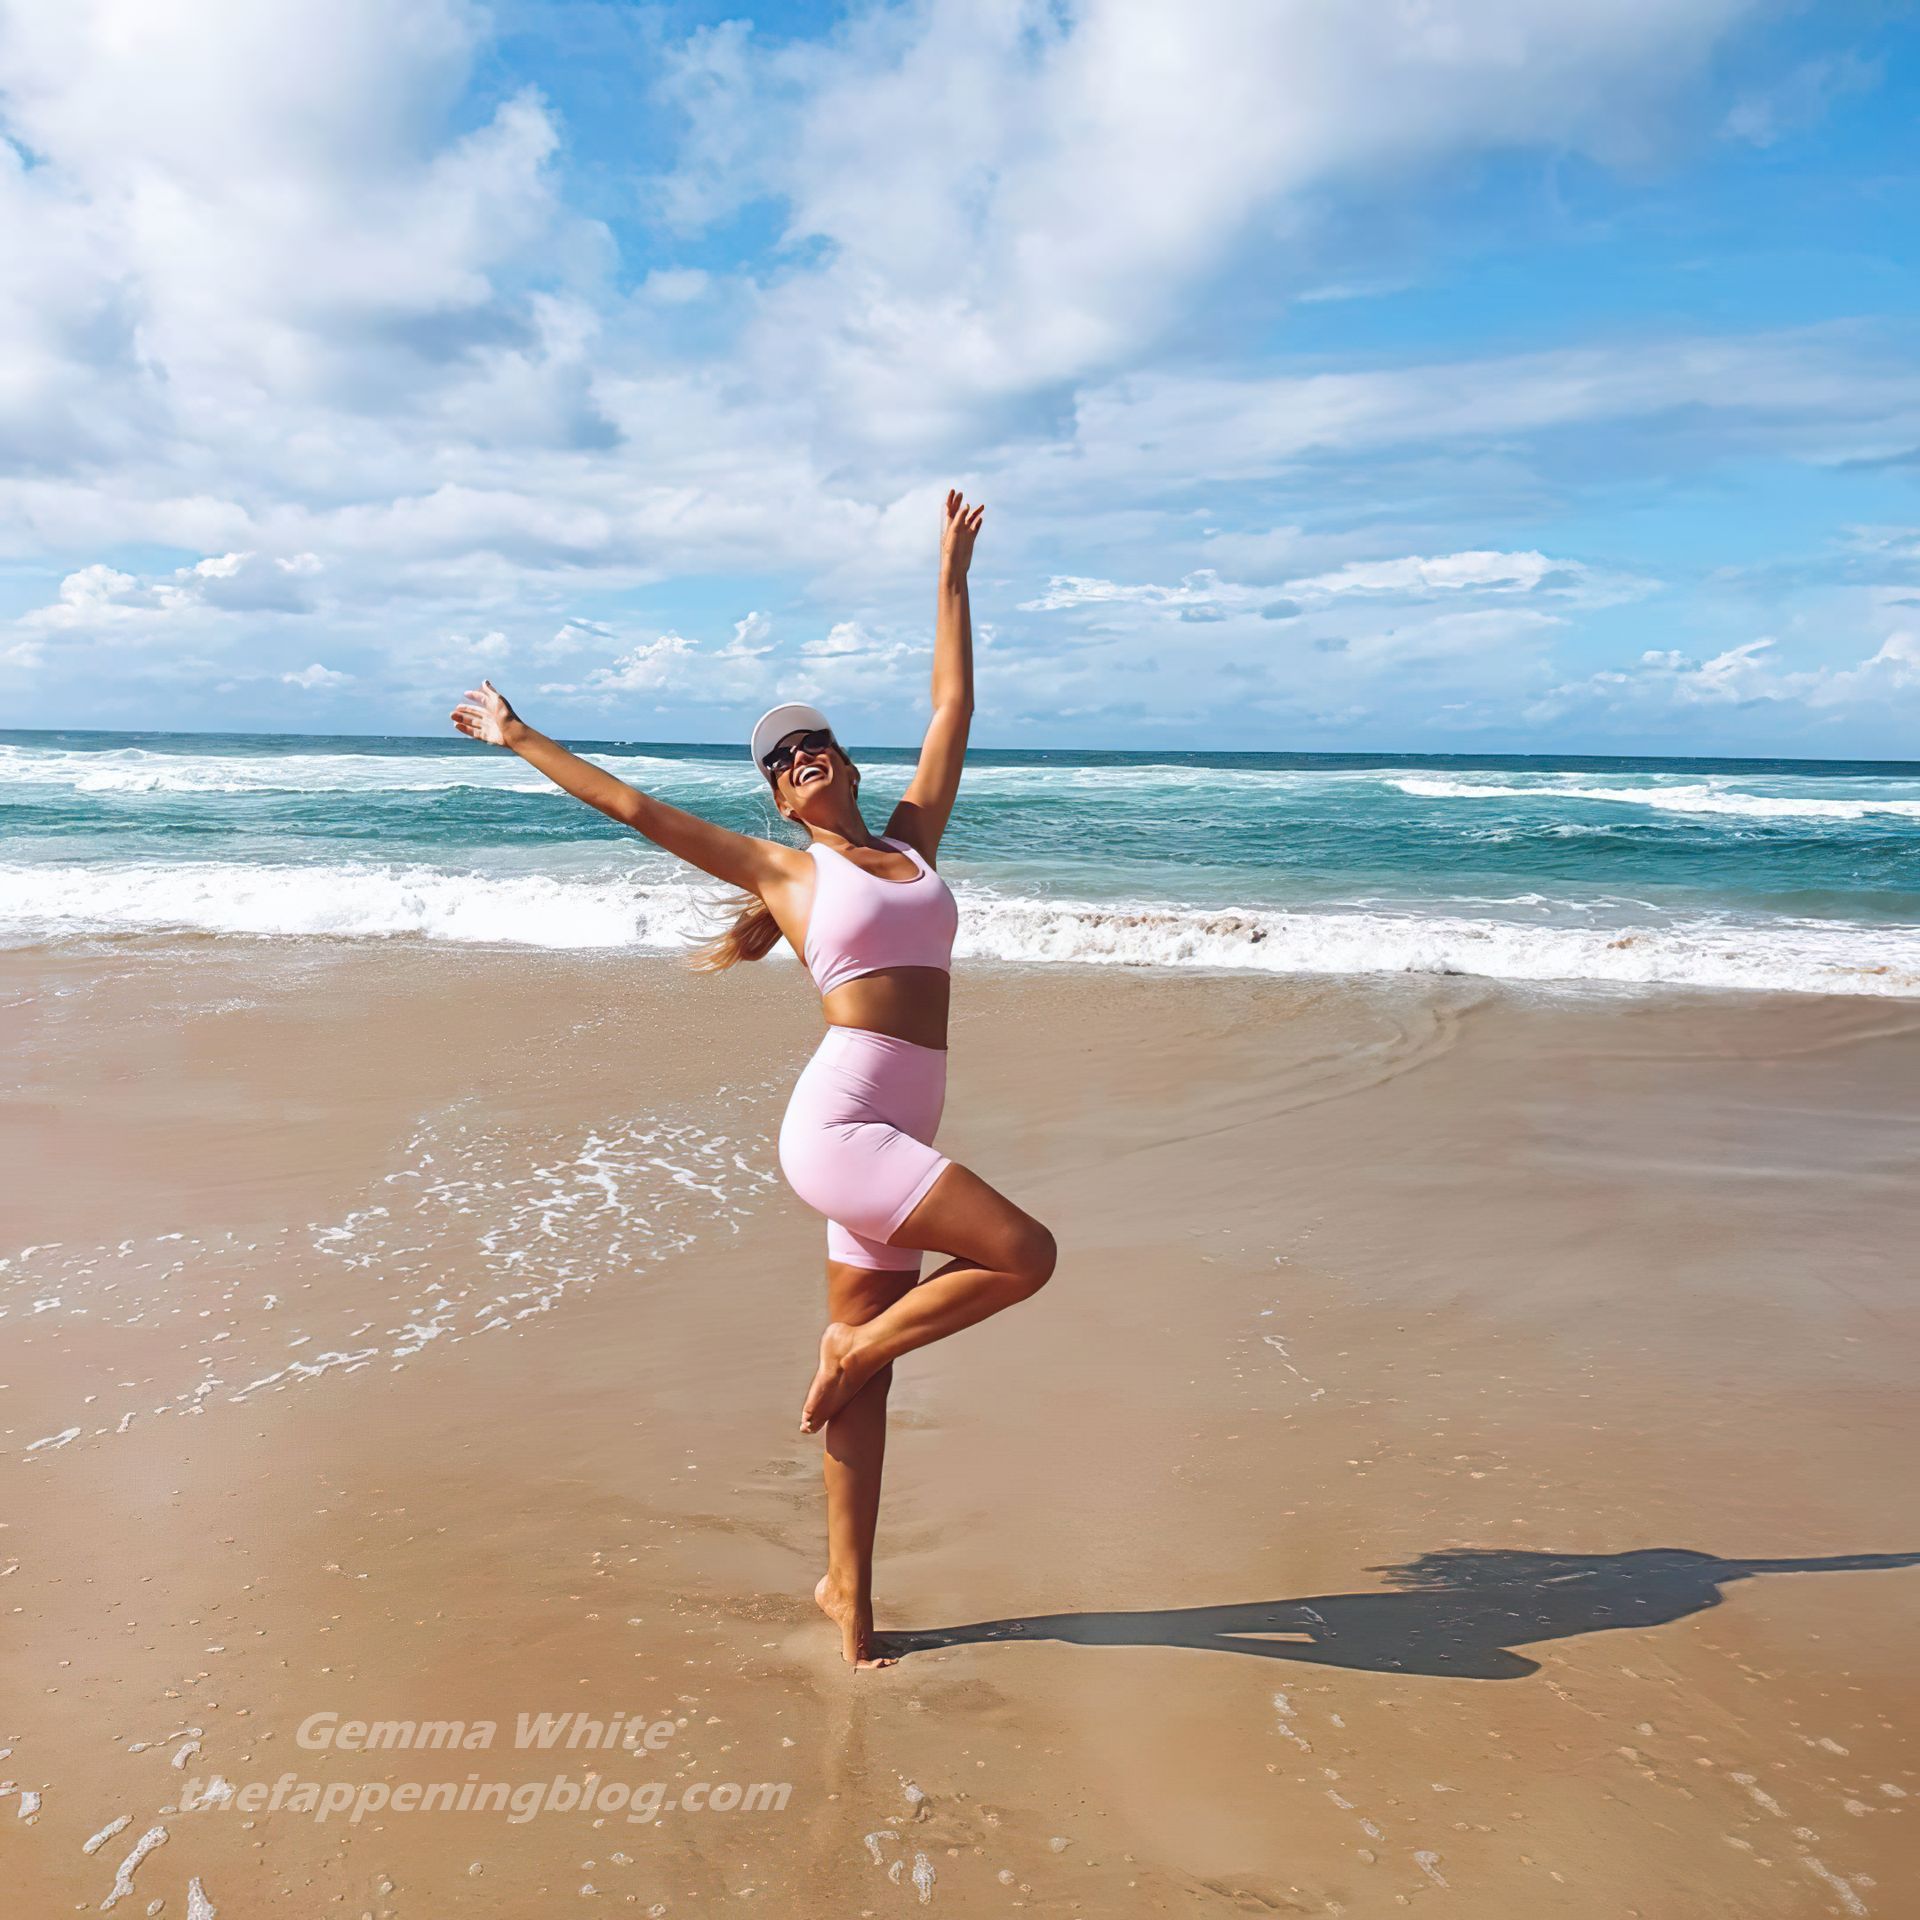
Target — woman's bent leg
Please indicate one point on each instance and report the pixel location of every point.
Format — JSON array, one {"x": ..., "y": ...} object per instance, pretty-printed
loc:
[
  {"x": 1010, "y": 1258},
  {"x": 855, "y": 1454}
]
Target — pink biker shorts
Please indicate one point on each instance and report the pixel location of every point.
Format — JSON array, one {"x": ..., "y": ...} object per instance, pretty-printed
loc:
[{"x": 857, "y": 1142}]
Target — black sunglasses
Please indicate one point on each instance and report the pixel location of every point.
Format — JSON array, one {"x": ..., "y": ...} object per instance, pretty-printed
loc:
[{"x": 781, "y": 758}]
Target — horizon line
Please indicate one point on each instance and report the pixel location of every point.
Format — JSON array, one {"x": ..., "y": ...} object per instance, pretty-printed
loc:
[{"x": 460, "y": 743}]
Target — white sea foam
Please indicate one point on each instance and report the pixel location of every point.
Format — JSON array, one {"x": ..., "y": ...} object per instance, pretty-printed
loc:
[
  {"x": 1698, "y": 797},
  {"x": 138, "y": 770},
  {"x": 479, "y": 1227},
  {"x": 1781, "y": 955},
  {"x": 622, "y": 911},
  {"x": 132, "y": 772},
  {"x": 123, "y": 1880},
  {"x": 351, "y": 899}
]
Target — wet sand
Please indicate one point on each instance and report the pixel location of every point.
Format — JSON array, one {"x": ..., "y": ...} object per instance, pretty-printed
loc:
[{"x": 1461, "y": 1462}]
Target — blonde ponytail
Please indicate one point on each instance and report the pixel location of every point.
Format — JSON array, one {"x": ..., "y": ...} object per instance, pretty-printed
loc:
[{"x": 751, "y": 934}]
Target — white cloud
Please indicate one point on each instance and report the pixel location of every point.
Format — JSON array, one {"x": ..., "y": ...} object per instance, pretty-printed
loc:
[
  {"x": 278, "y": 295},
  {"x": 460, "y": 651},
  {"x": 851, "y": 667},
  {"x": 1740, "y": 673},
  {"x": 1892, "y": 668},
  {"x": 748, "y": 632},
  {"x": 1669, "y": 681},
  {"x": 1413, "y": 577},
  {"x": 846, "y": 639},
  {"x": 98, "y": 601},
  {"x": 254, "y": 252},
  {"x": 676, "y": 286},
  {"x": 646, "y": 668},
  {"x": 1418, "y": 578},
  {"x": 1014, "y": 196},
  {"x": 1821, "y": 394},
  {"x": 316, "y": 678},
  {"x": 575, "y": 636},
  {"x": 95, "y": 593},
  {"x": 671, "y": 663},
  {"x": 1202, "y": 589}
]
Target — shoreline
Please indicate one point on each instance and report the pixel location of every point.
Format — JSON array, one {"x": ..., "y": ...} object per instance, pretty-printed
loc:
[
  {"x": 1161, "y": 941},
  {"x": 1357, "y": 1276}
]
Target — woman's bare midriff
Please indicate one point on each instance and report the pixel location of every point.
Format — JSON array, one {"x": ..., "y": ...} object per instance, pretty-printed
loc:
[{"x": 909, "y": 1003}]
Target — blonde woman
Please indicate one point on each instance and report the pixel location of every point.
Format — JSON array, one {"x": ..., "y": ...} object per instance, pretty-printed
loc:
[{"x": 874, "y": 924}]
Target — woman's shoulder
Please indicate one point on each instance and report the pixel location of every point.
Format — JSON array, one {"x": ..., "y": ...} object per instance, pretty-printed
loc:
[{"x": 909, "y": 842}]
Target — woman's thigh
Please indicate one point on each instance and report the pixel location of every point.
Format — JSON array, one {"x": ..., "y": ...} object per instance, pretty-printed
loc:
[{"x": 961, "y": 1215}]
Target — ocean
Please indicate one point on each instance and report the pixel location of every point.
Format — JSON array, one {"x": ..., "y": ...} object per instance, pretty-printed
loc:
[{"x": 1751, "y": 874}]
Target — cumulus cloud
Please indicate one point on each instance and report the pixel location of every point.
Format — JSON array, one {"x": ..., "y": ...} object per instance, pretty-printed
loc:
[
  {"x": 380, "y": 334},
  {"x": 316, "y": 678},
  {"x": 741, "y": 667},
  {"x": 748, "y": 633},
  {"x": 646, "y": 668},
  {"x": 852, "y": 667},
  {"x": 1668, "y": 680},
  {"x": 294, "y": 302},
  {"x": 1111, "y": 158},
  {"x": 97, "y": 601},
  {"x": 256, "y": 208}
]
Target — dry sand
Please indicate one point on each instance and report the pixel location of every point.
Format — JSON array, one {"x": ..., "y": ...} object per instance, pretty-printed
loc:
[{"x": 1446, "y": 1471}]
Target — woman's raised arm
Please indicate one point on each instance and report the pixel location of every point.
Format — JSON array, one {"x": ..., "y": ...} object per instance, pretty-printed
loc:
[
  {"x": 740, "y": 859},
  {"x": 921, "y": 816}
]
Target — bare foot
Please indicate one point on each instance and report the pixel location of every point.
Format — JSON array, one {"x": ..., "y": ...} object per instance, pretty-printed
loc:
[
  {"x": 860, "y": 1646},
  {"x": 840, "y": 1377}
]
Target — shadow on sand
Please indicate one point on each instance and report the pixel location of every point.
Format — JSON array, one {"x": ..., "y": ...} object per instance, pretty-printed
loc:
[{"x": 1459, "y": 1612}]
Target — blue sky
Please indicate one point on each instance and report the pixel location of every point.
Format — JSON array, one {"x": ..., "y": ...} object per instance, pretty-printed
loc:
[{"x": 1427, "y": 374}]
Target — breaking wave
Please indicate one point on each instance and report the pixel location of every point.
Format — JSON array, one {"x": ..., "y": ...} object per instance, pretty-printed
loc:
[
  {"x": 1697, "y": 798},
  {"x": 357, "y": 900}
]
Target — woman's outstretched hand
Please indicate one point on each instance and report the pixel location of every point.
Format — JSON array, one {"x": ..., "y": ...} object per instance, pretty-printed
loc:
[
  {"x": 485, "y": 715},
  {"x": 956, "y": 539}
]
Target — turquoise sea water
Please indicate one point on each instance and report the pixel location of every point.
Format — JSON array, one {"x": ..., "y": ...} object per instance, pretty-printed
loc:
[{"x": 1757, "y": 873}]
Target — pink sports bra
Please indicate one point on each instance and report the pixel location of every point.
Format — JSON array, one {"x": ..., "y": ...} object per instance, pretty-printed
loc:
[{"x": 861, "y": 924}]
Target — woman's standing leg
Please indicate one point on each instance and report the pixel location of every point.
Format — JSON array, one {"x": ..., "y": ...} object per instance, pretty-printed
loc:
[{"x": 856, "y": 1446}]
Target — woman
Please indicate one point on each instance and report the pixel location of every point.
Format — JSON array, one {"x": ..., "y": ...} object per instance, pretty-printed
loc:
[{"x": 874, "y": 925}]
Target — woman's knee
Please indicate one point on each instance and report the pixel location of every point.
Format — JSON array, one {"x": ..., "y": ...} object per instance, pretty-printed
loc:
[{"x": 1034, "y": 1257}]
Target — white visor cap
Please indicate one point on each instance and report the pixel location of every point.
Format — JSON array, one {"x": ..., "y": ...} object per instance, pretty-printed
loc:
[{"x": 777, "y": 722}]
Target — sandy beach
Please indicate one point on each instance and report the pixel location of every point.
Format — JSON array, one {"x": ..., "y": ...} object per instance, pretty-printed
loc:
[{"x": 1457, "y": 1465}]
